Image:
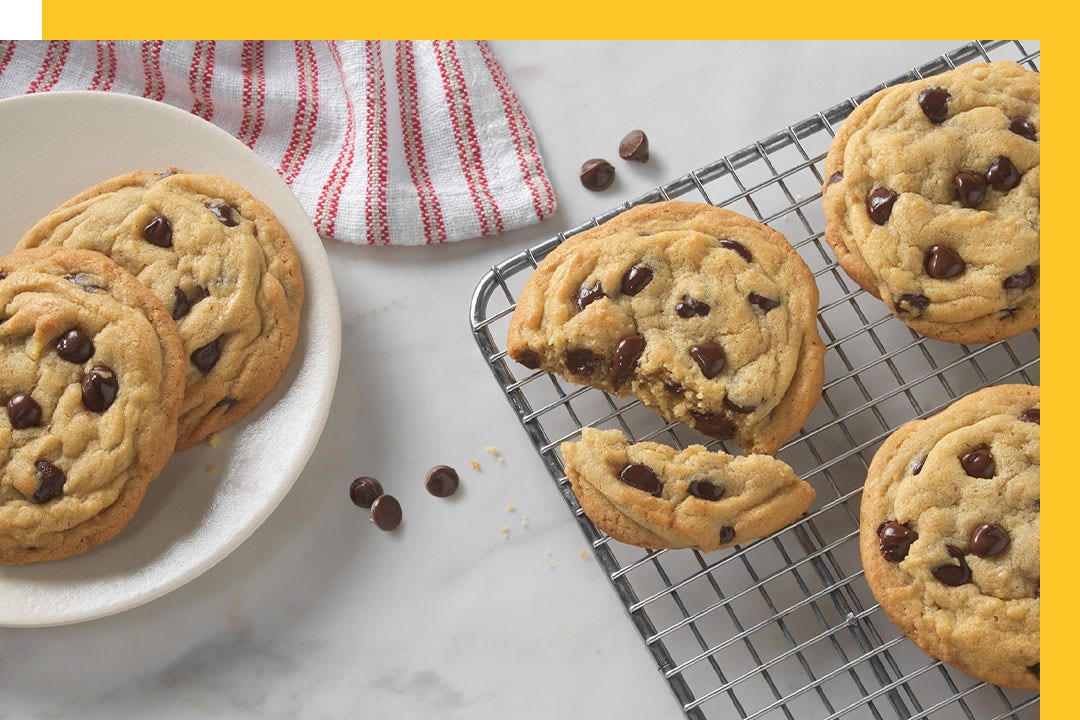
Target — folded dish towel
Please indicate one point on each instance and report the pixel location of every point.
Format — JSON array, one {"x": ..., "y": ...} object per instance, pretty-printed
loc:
[{"x": 405, "y": 142}]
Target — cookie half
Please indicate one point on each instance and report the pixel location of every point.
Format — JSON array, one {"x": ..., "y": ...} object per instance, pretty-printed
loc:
[
  {"x": 949, "y": 534},
  {"x": 221, "y": 262},
  {"x": 705, "y": 315},
  {"x": 92, "y": 374},
  {"x": 653, "y": 496},
  {"x": 932, "y": 201}
]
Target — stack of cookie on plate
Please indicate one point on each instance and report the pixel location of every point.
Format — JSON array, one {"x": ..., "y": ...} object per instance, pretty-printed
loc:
[{"x": 136, "y": 319}]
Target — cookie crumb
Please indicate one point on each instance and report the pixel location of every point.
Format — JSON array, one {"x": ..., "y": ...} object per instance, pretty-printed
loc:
[
  {"x": 211, "y": 469},
  {"x": 214, "y": 440},
  {"x": 548, "y": 553},
  {"x": 551, "y": 566},
  {"x": 525, "y": 521},
  {"x": 510, "y": 507},
  {"x": 475, "y": 465},
  {"x": 505, "y": 530},
  {"x": 494, "y": 452},
  {"x": 583, "y": 554}
]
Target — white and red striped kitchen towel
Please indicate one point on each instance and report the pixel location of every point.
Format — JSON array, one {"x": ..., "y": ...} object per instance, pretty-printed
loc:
[{"x": 403, "y": 142}]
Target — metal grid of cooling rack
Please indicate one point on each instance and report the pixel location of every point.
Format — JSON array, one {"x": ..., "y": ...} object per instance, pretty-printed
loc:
[{"x": 784, "y": 627}]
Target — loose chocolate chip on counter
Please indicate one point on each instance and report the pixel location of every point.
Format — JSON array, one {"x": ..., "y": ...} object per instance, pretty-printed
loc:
[
  {"x": 989, "y": 540},
  {"x": 99, "y": 388},
  {"x": 635, "y": 146},
  {"x": 442, "y": 481},
  {"x": 181, "y": 305},
  {"x": 715, "y": 425},
  {"x": 23, "y": 411},
  {"x": 158, "y": 232},
  {"x": 741, "y": 409},
  {"x": 970, "y": 188},
  {"x": 50, "y": 482},
  {"x": 75, "y": 346},
  {"x": 953, "y": 575},
  {"x": 706, "y": 490},
  {"x": 225, "y": 213},
  {"x": 835, "y": 178},
  {"x": 580, "y": 361},
  {"x": 894, "y": 540},
  {"x": 1023, "y": 128},
  {"x": 879, "y": 204},
  {"x": 688, "y": 307},
  {"x": 943, "y": 263},
  {"x": 710, "y": 357},
  {"x": 935, "y": 104},
  {"x": 978, "y": 463},
  {"x": 1031, "y": 416},
  {"x": 206, "y": 357},
  {"x": 727, "y": 534},
  {"x": 1003, "y": 175},
  {"x": 636, "y": 278},
  {"x": 86, "y": 281},
  {"x": 587, "y": 296},
  {"x": 386, "y": 512},
  {"x": 1021, "y": 280},
  {"x": 597, "y": 174},
  {"x": 912, "y": 304},
  {"x": 364, "y": 491},
  {"x": 625, "y": 358},
  {"x": 766, "y": 304},
  {"x": 739, "y": 248},
  {"x": 529, "y": 358},
  {"x": 641, "y": 477}
]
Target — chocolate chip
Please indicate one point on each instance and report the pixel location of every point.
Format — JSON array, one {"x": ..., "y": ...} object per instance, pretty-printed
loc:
[
  {"x": 739, "y": 248},
  {"x": 181, "y": 306},
  {"x": 86, "y": 281},
  {"x": 894, "y": 540},
  {"x": 158, "y": 232},
  {"x": 529, "y": 358},
  {"x": 206, "y": 357},
  {"x": 1034, "y": 669},
  {"x": 642, "y": 478},
  {"x": 442, "y": 481},
  {"x": 741, "y": 409},
  {"x": 587, "y": 296},
  {"x": 50, "y": 482},
  {"x": 953, "y": 575},
  {"x": 978, "y": 463},
  {"x": 918, "y": 467},
  {"x": 167, "y": 173},
  {"x": 988, "y": 540},
  {"x": 674, "y": 388},
  {"x": 912, "y": 304},
  {"x": 1009, "y": 312},
  {"x": 835, "y": 178},
  {"x": 364, "y": 491},
  {"x": 943, "y": 263},
  {"x": 580, "y": 361},
  {"x": 706, "y": 490},
  {"x": 636, "y": 278},
  {"x": 1003, "y": 175},
  {"x": 1021, "y": 280},
  {"x": 224, "y": 212},
  {"x": 879, "y": 204},
  {"x": 766, "y": 304},
  {"x": 625, "y": 358},
  {"x": 99, "y": 388},
  {"x": 934, "y": 104},
  {"x": 1031, "y": 415},
  {"x": 970, "y": 188},
  {"x": 386, "y": 512},
  {"x": 597, "y": 174},
  {"x": 75, "y": 346},
  {"x": 727, "y": 534},
  {"x": 688, "y": 307},
  {"x": 225, "y": 402},
  {"x": 23, "y": 411},
  {"x": 715, "y": 425},
  {"x": 710, "y": 358},
  {"x": 635, "y": 146},
  {"x": 1023, "y": 128}
]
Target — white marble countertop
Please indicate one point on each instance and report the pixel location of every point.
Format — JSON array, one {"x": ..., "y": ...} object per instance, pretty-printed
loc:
[{"x": 321, "y": 615}]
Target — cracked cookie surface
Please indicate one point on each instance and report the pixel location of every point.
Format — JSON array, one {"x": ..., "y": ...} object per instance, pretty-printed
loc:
[
  {"x": 654, "y": 496},
  {"x": 705, "y": 315},
  {"x": 931, "y": 201},
  {"x": 949, "y": 534},
  {"x": 92, "y": 374},
  {"x": 222, "y": 263}
]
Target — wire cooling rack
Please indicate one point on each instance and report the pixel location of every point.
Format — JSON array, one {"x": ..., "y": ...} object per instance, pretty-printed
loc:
[{"x": 784, "y": 627}]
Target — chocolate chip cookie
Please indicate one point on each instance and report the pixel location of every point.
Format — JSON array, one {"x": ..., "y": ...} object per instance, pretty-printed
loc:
[
  {"x": 653, "y": 496},
  {"x": 218, "y": 258},
  {"x": 92, "y": 375},
  {"x": 949, "y": 534},
  {"x": 931, "y": 201},
  {"x": 705, "y": 315}
]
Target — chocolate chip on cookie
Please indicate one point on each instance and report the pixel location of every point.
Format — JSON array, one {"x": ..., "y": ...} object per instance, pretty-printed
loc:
[
  {"x": 895, "y": 539},
  {"x": 636, "y": 278},
  {"x": 625, "y": 359},
  {"x": 710, "y": 357},
  {"x": 158, "y": 232},
  {"x": 206, "y": 357},
  {"x": 23, "y": 411},
  {"x": 989, "y": 540},
  {"x": 943, "y": 263},
  {"x": 99, "y": 388},
  {"x": 225, "y": 213},
  {"x": 75, "y": 346},
  {"x": 978, "y": 463},
  {"x": 587, "y": 296},
  {"x": 934, "y": 103},
  {"x": 879, "y": 204},
  {"x": 688, "y": 307},
  {"x": 970, "y": 188},
  {"x": 953, "y": 575},
  {"x": 50, "y": 482}
]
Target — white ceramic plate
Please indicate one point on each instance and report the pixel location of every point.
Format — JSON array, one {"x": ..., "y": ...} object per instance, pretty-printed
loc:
[{"x": 54, "y": 145}]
